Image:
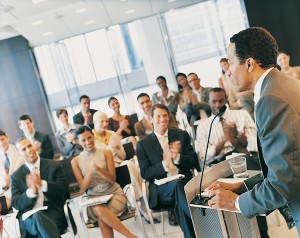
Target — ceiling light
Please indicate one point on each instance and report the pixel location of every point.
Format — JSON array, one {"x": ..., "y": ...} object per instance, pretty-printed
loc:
[
  {"x": 89, "y": 22},
  {"x": 38, "y": 1},
  {"x": 82, "y": 10},
  {"x": 37, "y": 23},
  {"x": 171, "y": 0},
  {"x": 6, "y": 9},
  {"x": 130, "y": 11},
  {"x": 48, "y": 33}
]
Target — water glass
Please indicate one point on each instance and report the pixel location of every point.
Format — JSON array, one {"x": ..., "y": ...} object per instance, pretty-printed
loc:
[{"x": 239, "y": 167}]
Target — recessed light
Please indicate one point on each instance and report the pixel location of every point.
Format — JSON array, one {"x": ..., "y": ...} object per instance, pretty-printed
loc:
[
  {"x": 89, "y": 22},
  {"x": 171, "y": 0},
  {"x": 82, "y": 10},
  {"x": 37, "y": 23},
  {"x": 38, "y": 1},
  {"x": 48, "y": 33},
  {"x": 130, "y": 11}
]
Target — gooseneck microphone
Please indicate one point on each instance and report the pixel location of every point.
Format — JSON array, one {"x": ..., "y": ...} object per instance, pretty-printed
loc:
[{"x": 201, "y": 199}]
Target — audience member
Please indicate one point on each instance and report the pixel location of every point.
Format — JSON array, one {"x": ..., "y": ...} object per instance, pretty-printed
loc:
[
  {"x": 185, "y": 93},
  {"x": 233, "y": 131},
  {"x": 283, "y": 60},
  {"x": 95, "y": 172},
  {"x": 197, "y": 105},
  {"x": 66, "y": 136},
  {"x": 164, "y": 153},
  {"x": 39, "y": 140},
  {"x": 39, "y": 182},
  {"x": 106, "y": 139},
  {"x": 85, "y": 116},
  {"x": 10, "y": 161},
  {"x": 166, "y": 96},
  {"x": 144, "y": 127},
  {"x": 226, "y": 83}
]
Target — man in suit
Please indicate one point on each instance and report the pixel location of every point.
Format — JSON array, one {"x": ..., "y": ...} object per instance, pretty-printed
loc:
[
  {"x": 9, "y": 162},
  {"x": 144, "y": 126},
  {"x": 39, "y": 182},
  {"x": 252, "y": 56},
  {"x": 85, "y": 116},
  {"x": 164, "y": 153},
  {"x": 197, "y": 105},
  {"x": 40, "y": 141}
]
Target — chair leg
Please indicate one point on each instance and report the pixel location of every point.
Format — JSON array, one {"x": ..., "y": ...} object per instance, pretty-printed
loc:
[
  {"x": 83, "y": 223},
  {"x": 163, "y": 223}
]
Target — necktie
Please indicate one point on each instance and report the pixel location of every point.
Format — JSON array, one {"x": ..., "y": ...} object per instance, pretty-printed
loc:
[
  {"x": 40, "y": 198},
  {"x": 7, "y": 163},
  {"x": 173, "y": 170},
  {"x": 222, "y": 120}
]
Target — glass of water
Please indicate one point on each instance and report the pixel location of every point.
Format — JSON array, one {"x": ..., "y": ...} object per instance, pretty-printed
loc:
[{"x": 239, "y": 167}]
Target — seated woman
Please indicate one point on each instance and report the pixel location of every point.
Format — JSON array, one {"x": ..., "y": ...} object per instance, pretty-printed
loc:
[
  {"x": 167, "y": 97},
  {"x": 106, "y": 139},
  {"x": 66, "y": 136},
  {"x": 95, "y": 172},
  {"x": 283, "y": 60},
  {"x": 121, "y": 124}
]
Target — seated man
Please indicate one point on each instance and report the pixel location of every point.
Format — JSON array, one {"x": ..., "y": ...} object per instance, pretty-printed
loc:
[
  {"x": 85, "y": 116},
  {"x": 39, "y": 140},
  {"x": 234, "y": 131},
  {"x": 163, "y": 153},
  {"x": 10, "y": 161},
  {"x": 39, "y": 182},
  {"x": 144, "y": 127},
  {"x": 197, "y": 106}
]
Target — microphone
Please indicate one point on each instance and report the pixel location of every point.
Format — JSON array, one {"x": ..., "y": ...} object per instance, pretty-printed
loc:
[{"x": 200, "y": 199}]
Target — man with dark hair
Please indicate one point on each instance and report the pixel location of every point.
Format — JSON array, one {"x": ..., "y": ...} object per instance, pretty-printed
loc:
[
  {"x": 37, "y": 183},
  {"x": 233, "y": 131},
  {"x": 85, "y": 116},
  {"x": 164, "y": 153},
  {"x": 197, "y": 106},
  {"x": 144, "y": 127},
  {"x": 39, "y": 140},
  {"x": 9, "y": 162},
  {"x": 252, "y": 57}
]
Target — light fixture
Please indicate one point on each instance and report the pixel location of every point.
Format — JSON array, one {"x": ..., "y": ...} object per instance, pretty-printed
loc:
[
  {"x": 37, "y": 23},
  {"x": 38, "y": 1},
  {"x": 82, "y": 10},
  {"x": 89, "y": 22},
  {"x": 171, "y": 1},
  {"x": 48, "y": 33},
  {"x": 130, "y": 11},
  {"x": 6, "y": 8}
]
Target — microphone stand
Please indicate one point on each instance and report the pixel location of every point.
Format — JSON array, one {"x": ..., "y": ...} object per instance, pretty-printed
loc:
[{"x": 200, "y": 200}]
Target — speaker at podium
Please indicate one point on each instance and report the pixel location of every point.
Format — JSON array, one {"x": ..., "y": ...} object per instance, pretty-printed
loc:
[{"x": 209, "y": 222}]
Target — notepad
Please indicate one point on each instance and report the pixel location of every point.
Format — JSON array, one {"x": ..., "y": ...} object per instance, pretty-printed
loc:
[
  {"x": 96, "y": 200},
  {"x": 168, "y": 179},
  {"x": 31, "y": 212}
]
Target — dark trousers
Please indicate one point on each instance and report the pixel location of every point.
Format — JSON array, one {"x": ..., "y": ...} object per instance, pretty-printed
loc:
[
  {"x": 172, "y": 195},
  {"x": 46, "y": 224}
]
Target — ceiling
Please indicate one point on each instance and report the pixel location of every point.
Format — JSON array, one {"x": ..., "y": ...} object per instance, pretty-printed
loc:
[{"x": 45, "y": 21}]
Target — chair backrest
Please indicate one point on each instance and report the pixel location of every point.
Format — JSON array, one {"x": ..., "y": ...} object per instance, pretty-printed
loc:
[
  {"x": 129, "y": 150},
  {"x": 123, "y": 176},
  {"x": 4, "y": 209}
]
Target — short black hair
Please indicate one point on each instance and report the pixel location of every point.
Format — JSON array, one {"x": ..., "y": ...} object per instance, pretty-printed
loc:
[
  {"x": 61, "y": 111},
  {"x": 180, "y": 74},
  {"x": 2, "y": 133},
  {"x": 110, "y": 99},
  {"x": 142, "y": 95},
  {"x": 24, "y": 118},
  {"x": 180, "y": 88},
  {"x": 223, "y": 60},
  {"x": 81, "y": 130},
  {"x": 256, "y": 43},
  {"x": 217, "y": 90},
  {"x": 193, "y": 73},
  {"x": 161, "y": 77},
  {"x": 83, "y": 97},
  {"x": 160, "y": 106}
]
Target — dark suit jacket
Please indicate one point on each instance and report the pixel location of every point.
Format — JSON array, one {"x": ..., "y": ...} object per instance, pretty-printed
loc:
[
  {"x": 150, "y": 156},
  {"x": 278, "y": 127},
  {"x": 58, "y": 188},
  {"x": 46, "y": 145},
  {"x": 79, "y": 119}
]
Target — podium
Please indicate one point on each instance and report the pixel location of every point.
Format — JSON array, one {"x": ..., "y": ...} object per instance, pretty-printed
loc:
[{"x": 210, "y": 222}]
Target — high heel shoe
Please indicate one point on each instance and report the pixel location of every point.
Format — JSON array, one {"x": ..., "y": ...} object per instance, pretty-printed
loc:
[{"x": 155, "y": 220}]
